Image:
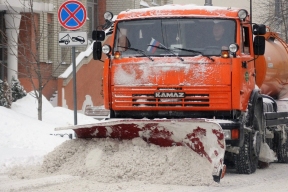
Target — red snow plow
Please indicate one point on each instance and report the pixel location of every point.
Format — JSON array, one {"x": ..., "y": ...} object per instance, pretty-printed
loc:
[{"x": 203, "y": 136}]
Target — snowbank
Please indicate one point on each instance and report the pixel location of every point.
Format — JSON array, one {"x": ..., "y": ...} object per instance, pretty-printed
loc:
[{"x": 110, "y": 161}]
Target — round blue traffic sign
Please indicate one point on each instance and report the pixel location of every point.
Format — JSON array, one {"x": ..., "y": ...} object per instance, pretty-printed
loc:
[{"x": 72, "y": 15}]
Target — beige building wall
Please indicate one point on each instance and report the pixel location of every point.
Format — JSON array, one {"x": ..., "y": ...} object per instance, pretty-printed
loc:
[
  {"x": 117, "y": 6},
  {"x": 245, "y": 4},
  {"x": 225, "y": 3}
]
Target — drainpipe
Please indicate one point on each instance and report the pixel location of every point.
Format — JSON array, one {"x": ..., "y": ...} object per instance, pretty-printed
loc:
[
  {"x": 208, "y": 3},
  {"x": 2, "y": 68}
]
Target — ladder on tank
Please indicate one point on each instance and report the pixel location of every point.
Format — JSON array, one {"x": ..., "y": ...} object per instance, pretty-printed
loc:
[{"x": 273, "y": 36}]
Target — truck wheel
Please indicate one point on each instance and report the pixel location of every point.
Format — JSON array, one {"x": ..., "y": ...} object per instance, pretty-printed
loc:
[
  {"x": 247, "y": 160},
  {"x": 282, "y": 148}
]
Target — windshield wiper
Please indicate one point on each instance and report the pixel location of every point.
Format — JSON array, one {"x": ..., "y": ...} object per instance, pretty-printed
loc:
[
  {"x": 166, "y": 49},
  {"x": 138, "y": 51},
  {"x": 193, "y": 51}
]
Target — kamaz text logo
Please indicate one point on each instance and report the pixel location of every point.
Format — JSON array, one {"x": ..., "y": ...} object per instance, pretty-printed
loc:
[{"x": 169, "y": 95}]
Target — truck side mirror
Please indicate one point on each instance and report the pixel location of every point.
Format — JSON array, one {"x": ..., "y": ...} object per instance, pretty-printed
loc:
[
  {"x": 98, "y": 35},
  {"x": 259, "y": 45},
  {"x": 259, "y": 29},
  {"x": 97, "y": 50}
]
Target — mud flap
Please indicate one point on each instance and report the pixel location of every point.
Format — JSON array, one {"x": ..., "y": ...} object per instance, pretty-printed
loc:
[{"x": 203, "y": 136}]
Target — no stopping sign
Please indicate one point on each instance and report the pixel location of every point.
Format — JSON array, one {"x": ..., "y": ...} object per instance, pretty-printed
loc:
[{"x": 72, "y": 15}]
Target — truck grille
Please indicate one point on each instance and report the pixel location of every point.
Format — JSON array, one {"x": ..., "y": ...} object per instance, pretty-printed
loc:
[
  {"x": 212, "y": 97},
  {"x": 192, "y": 100}
]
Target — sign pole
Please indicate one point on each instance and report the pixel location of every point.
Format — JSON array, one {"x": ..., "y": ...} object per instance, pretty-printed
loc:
[
  {"x": 74, "y": 85},
  {"x": 72, "y": 16}
]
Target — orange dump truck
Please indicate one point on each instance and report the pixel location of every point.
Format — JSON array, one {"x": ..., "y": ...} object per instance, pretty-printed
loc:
[{"x": 171, "y": 80}]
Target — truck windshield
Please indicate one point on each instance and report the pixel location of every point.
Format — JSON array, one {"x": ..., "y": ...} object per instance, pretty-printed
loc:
[{"x": 185, "y": 37}]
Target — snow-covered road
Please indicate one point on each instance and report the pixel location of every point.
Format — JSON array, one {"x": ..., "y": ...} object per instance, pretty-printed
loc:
[{"x": 270, "y": 179}]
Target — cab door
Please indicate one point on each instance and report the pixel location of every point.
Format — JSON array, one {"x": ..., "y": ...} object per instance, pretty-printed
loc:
[{"x": 247, "y": 74}]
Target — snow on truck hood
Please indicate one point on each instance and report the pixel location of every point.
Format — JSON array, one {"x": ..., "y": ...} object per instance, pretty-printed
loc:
[{"x": 139, "y": 72}]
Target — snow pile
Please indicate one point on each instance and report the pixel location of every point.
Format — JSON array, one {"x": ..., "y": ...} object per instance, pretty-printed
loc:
[
  {"x": 18, "y": 133},
  {"x": 24, "y": 140},
  {"x": 28, "y": 105},
  {"x": 110, "y": 161},
  {"x": 266, "y": 154},
  {"x": 56, "y": 116}
]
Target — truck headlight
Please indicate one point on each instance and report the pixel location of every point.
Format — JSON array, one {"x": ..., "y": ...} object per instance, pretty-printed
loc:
[
  {"x": 106, "y": 49},
  {"x": 108, "y": 15},
  {"x": 233, "y": 48},
  {"x": 242, "y": 14},
  {"x": 231, "y": 134},
  {"x": 227, "y": 134}
]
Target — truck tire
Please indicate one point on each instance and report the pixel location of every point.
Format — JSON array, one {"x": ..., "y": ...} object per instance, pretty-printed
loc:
[
  {"x": 246, "y": 161},
  {"x": 282, "y": 148},
  {"x": 217, "y": 178}
]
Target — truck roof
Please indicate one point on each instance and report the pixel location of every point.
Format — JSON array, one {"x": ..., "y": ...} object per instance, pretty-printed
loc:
[{"x": 179, "y": 11}]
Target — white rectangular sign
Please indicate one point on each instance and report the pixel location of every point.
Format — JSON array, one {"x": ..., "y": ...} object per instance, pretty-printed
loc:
[{"x": 72, "y": 38}]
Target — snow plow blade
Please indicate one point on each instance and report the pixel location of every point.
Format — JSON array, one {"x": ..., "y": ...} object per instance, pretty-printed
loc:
[{"x": 203, "y": 136}]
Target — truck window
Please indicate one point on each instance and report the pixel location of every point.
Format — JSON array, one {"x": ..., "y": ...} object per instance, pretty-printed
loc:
[
  {"x": 122, "y": 40},
  {"x": 174, "y": 34},
  {"x": 246, "y": 40}
]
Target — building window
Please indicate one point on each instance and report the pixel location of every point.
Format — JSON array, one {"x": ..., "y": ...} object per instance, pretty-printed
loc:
[{"x": 92, "y": 16}]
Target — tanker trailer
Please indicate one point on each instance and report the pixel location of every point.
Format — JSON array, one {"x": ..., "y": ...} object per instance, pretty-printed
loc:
[{"x": 272, "y": 78}]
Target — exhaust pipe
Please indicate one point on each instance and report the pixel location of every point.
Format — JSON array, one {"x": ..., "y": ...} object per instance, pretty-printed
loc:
[{"x": 208, "y": 3}]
